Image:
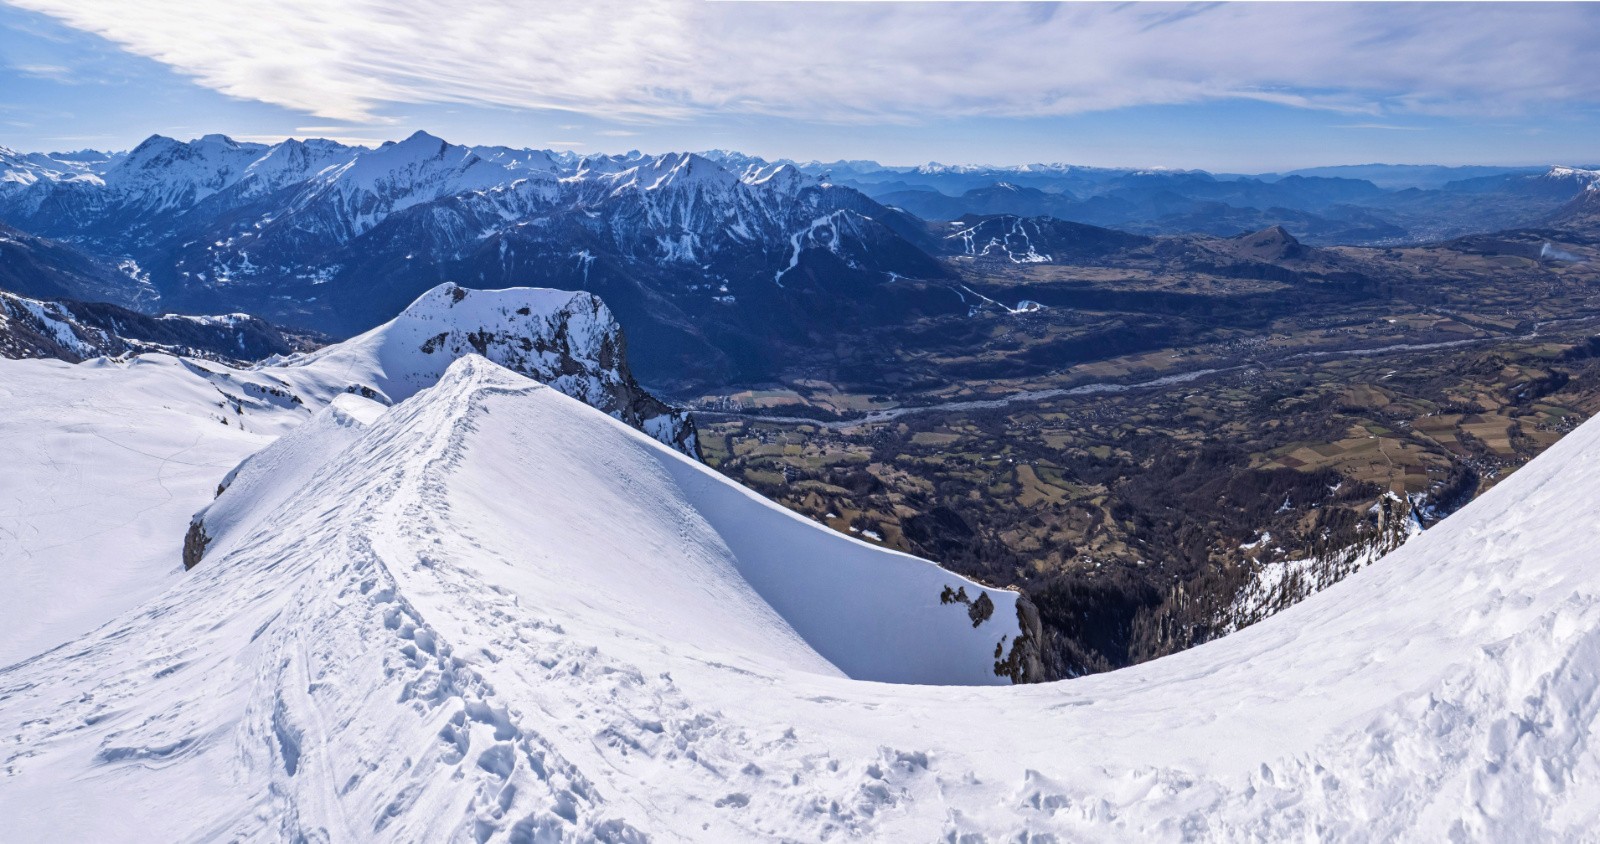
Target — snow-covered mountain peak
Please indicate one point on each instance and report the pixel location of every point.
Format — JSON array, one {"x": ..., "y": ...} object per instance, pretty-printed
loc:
[
  {"x": 19, "y": 171},
  {"x": 520, "y": 160},
  {"x": 163, "y": 175},
  {"x": 217, "y": 139},
  {"x": 685, "y": 169},
  {"x": 345, "y": 234},
  {"x": 153, "y": 146},
  {"x": 673, "y": 172},
  {"x": 568, "y": 340},
  {"x": 783, "y": 178},
  {"x": 1588, "y": 178},
  {"x": 294, "y": 160},
  {"x": 419, "y": 154},
  {"x": 160, "y": 151},
  {"x": 420, "y": 143},
  {"x": 347, "y": 201}
]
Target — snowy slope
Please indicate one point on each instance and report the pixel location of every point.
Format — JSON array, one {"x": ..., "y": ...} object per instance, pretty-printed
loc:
[
  {"x": 108, "y": 460},
  {"x": 483, "y": 504},
  {"x": 271, "y": 478},
  {"x": 499, "y": 616},
  {"x": 104, "y": 461}
]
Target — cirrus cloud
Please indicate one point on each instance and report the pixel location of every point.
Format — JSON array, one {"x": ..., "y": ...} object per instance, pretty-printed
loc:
[{"x": 895, "y": 62}]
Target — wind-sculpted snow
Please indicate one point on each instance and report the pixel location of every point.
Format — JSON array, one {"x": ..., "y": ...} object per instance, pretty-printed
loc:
[
  {"x": 104, "y": 464},
  {"x": 270, "y": 478},
  {"x": 497, "y": 615}
]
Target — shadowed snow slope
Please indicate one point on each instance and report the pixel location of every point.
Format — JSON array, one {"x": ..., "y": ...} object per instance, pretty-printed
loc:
[{"x": 498, "y": 615}]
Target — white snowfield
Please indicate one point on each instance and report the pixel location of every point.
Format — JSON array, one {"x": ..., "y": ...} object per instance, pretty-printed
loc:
[
  {"x": 102, "y": 463},
  {"x": 106, "y": 461},
  {"x": 489, "y": 533},
  {"x": 491, "y": 613}
]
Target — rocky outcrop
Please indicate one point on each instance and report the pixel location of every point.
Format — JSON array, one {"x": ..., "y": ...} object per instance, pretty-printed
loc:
[
  {"x": 567, "y": 340},
  {"x": 195, "y": 542},
  {"x": 1024, "y": 662},
  {"x": 1271, "y": 244},
  {"x": 77, "y": 331}
]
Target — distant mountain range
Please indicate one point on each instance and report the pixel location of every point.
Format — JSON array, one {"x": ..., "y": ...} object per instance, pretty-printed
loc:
[
  {"x": 1324, "y": 210},
  {"x": 706, "y": 265},
  {"x": 719, "y": 263}
]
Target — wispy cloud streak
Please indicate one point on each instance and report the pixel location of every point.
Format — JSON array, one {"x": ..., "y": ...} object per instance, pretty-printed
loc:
[{"x": 900, "y": 62}]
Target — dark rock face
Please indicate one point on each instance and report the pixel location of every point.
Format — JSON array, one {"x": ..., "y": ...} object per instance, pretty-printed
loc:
[
  {"x": 1024, "y": 663},
  {"x": 194, "y": 543},
  {"x": 76, "y": 331},
  {"x": 1581, "y": 214}
]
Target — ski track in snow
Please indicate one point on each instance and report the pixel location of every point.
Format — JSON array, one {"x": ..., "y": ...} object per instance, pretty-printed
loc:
[{"x": 1016, "y": 229}]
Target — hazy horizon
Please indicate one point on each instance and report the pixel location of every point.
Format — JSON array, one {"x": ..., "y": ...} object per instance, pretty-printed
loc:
[{"x": 616, "y": 151}]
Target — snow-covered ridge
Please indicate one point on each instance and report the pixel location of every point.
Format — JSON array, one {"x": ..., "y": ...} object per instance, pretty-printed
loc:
[
  {"x": 19, "y": 170},
  {"x": 1589, "y": 179},
  {"x": 568, "y": 340},
  {"x": 561, "y": 475},
  {"x": 364, "y": 185},
  {"x": 486, "y": 540},
  {"x": 236, "y": 212},
  {"x": 34, "y": 328},
  {"x": 126, "y": 449},
  {"x": 490, "y": 612},
  {"x": 42, "y": 328}
]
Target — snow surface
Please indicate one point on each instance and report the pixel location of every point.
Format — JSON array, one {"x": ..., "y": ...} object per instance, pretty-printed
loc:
[
  {"x": 339, "y": 615},
  {"x": 107, "y": 460},
  {"x": 103, "y": 462},
  {"x": 499, "y": 615}
]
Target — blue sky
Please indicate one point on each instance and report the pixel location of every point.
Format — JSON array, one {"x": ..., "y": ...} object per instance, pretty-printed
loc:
[{"x": 1227, "y": 87}]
